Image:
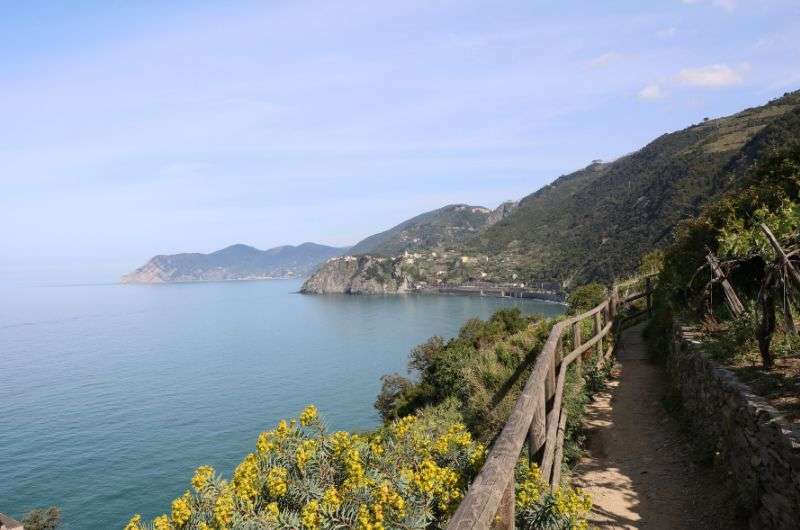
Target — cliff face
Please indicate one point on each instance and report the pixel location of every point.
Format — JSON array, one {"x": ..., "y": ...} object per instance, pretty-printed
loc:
[
  {"x": 359, "y": 275},
  {"x": 237, "y": 262}
]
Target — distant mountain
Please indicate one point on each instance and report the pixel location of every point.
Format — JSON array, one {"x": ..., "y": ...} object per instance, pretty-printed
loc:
[
  {"x": 444, "y": 228},
  {"x": 237, "y": 262},
  {"x": 593, "y": 224}
]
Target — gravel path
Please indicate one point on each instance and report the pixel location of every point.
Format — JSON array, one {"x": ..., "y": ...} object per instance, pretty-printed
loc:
[{"x": 639, "y": 467}]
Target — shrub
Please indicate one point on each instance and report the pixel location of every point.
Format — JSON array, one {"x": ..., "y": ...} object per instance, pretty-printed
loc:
[
  {"x": 409, "y": 474},
  {"x": 585, "y": 297},
  {"x": 42, "y": 519},
  {"x": 539, "y": 507}
]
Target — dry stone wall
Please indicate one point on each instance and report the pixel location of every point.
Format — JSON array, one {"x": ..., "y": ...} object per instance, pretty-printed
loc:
[{"x": 759, "y": 449}]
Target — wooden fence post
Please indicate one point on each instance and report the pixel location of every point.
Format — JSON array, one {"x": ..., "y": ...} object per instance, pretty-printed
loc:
[
  {"x": 598, "y": 326},
  {"x": 576, "y": 343},
  {"x": 505, "y": 513}
]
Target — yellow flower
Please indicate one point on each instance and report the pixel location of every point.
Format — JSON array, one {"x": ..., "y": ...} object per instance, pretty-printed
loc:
[
  {"x": 182, "y": 509},
  {"x": 310, "y": 515},
  {"x": 161, "y": 523},
  {"x": 340, "y": 442},
  {"x": 203, "y": 526},
  {"x": 202, "y": 476},
  {"x": 308, "y": 415},
  {"x": 401, "y": 426},
  {"x": 276, "y": 481},
  {"x": 282, "y": 430},
  {"x": 245, "y": 478},
  {"x": 305, "y": 452},
  {"x": 265, "y": 442},
  {"x": 271, "y": 511},
  {"x": 355, "y": 470},
  {"x": 134, "y": 523},
  {"x": 223, "y": 508},
  {"x": 331, "y": 500}
]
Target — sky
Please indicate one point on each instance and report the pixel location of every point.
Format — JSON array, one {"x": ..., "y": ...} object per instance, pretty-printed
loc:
[{"x": 131, "y": 129}]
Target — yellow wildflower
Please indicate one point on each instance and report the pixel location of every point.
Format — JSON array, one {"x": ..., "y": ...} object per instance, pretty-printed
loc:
[
  {"x": 310, "y": 515},
  {"x": 223, "y": 508},
  {"x": 308, "y": 415},
  {"x": 182, "y": 509},
  {"x": 355, "y": 470},
  {"x": 162, "y": 523},
  {"x": 331, "y": 500},
  {"x": 134, "y": 523},
  {"x": 401, "y": 426},
  {"x": 202, "y": 476},
  {"x": 265, "y": 442},
  {"x": 305, "y": 452},
  {"x": 245, "y": 478},
  {"x": 203, "y": 526},
  {"x": 276, "y": 481},
  {"x": 340, "y": 442},
  {"x": 271, "y": 511},
  {"x": 282, "y": 430}
]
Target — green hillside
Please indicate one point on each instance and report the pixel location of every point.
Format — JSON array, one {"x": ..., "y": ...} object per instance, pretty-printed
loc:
[
  {"x": 596, "y": 223},
  {"x": 444, "y": 228}
]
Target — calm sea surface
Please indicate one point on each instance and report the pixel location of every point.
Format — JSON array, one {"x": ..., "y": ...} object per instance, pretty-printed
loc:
[{"x": 111, "y": 395}]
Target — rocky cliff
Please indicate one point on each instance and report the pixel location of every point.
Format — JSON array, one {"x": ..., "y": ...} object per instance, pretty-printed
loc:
[{"x": 360, "y": 275}]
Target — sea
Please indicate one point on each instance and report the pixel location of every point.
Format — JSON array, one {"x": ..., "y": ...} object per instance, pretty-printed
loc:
[{"x": 111, "y": 395}]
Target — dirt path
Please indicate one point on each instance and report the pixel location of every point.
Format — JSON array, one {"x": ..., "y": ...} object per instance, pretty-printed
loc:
[{"x": 639, "y": 467}]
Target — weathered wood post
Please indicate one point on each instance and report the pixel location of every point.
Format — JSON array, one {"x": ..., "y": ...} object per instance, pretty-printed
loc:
[
  {"x": 505, "y": 513},
  {"x": 731, "y": 299},
  {"x": 576, "y": 343},
  {"x": 598, "y": 326}
]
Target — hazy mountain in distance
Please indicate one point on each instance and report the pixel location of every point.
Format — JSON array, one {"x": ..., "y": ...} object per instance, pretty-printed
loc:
[{"x": 236, "y": 262}]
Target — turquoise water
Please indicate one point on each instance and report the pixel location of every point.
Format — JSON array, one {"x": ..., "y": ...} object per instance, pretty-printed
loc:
[{"x": 111, "y": 395}]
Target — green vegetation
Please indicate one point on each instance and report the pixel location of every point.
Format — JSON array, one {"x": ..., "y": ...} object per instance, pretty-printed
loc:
[
  {"x": 731, "y": 228},
  {"x": 42, "y": 519},
  {"x": 481, "y": 370}
]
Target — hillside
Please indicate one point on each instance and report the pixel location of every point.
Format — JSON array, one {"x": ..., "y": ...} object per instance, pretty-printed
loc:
[
  {"x": 593, "y": 224},
  {"x": 596, "y": 223},
  {"x": 444, "y": 228},
  {"x": 237, "y": 262}
]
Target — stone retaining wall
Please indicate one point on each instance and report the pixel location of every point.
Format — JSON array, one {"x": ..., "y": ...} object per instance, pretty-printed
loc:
[{"x": 758, "y": 448}]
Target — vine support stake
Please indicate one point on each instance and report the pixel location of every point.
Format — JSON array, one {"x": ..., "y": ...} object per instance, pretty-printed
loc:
[{"x": 731, "y": 299}]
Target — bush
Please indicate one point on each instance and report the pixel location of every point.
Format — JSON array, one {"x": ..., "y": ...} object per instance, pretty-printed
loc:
[
  {"x": 42, "y": 519},
  {"x": 585, "y": 297},
  {"x": 538, "y": 507},
  {"x": 482, "y": 369},
  {"x": 412, "y": 473},
  {"x": 736, "y": 341}
]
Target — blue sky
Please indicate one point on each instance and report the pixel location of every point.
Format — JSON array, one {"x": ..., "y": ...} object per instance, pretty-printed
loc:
[{"x": 136, "y": 128}]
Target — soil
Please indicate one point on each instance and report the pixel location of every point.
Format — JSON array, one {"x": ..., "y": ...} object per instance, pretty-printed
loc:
[{"x": 641, "y": 468}]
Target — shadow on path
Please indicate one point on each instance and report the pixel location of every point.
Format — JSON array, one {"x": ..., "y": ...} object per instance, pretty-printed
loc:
[{"x": 639, "y": 466}]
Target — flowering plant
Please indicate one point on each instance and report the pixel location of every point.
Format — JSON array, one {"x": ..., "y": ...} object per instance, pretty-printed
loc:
[{"x": 411, "y": 473}]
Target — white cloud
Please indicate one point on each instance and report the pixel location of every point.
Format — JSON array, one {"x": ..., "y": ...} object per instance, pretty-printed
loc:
[
  {"x": 666, "y": 33},
  {"x": 651, "y": 92},
  {"x": 727, "y": 5},
  {"x": 604, "y": 60},
  {"x": 712, "y": 76}
]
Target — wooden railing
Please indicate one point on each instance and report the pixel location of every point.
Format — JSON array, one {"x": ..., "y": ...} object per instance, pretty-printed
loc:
[{"x": 538, "y": 416}]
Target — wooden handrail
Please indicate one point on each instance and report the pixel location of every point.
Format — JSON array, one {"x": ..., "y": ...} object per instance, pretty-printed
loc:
[{"x": 538, "y": 417}]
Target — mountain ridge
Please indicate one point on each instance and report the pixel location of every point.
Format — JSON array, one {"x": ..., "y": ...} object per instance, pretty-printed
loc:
[{"x": 234, "y": 262}]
